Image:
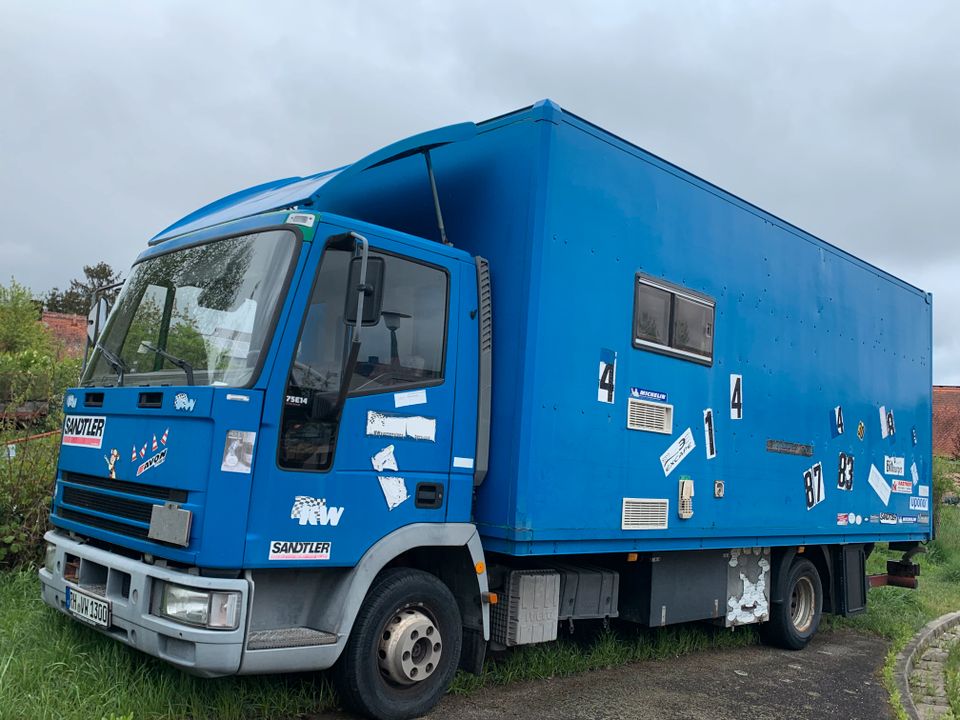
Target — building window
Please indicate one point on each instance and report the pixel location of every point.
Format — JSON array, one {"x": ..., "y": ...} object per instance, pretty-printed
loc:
[{"x": 673, "y": 320}]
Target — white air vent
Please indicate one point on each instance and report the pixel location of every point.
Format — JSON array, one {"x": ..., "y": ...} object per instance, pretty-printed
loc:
[
  {"x": 644, "y": 514},
  {"x": 649, "y": 416}
]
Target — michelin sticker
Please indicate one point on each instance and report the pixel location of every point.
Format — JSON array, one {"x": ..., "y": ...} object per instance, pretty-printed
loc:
[
  {"x": 84, "y": 430},
  {"x": 238, "y": 451},
  {"x": 182, "y": 401},
  {"x": 879, "y": 485},
  {"x": 919, "y": 503},
  {"x": 314, "y": 511},
  {"x": 651, "y": 395},
  {"x": 681, "y": 447},
  {"x": 293, "y": 550},
  {"x": 893, "y": 465},
  {"x": 394, "y": 490},
  {"x": 401, "y": 426}
]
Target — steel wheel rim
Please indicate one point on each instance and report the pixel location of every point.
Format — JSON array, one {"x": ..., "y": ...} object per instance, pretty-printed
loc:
[
  {"x": 410, "y": 647},
  {"x": 802, "y": 601}
]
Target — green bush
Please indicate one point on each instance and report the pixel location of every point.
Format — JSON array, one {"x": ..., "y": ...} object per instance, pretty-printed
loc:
[{"x": 26, "y": 488}]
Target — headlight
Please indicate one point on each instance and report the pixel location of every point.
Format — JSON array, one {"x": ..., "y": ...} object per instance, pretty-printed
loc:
[
  {"x": 50, "y": 558},
  {"x": 202, "y": 608}
]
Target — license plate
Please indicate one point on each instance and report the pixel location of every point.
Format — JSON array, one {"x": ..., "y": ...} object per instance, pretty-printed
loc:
[{"x": 88, "y": 608}]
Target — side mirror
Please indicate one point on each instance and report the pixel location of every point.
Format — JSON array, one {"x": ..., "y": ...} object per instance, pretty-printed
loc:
[
  {"x": 372, "y": 291},
  {"x": 97, "y": 318}
]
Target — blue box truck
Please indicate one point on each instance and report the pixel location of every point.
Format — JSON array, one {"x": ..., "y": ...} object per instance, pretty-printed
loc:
[{"x": 487, "y": 381}]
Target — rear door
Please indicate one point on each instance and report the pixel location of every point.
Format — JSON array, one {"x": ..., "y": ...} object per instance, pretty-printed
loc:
[{"x": 325, "y": 492}]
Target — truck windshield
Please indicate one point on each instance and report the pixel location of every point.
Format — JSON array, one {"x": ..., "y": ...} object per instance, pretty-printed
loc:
[{"x": 208, "y": 309}]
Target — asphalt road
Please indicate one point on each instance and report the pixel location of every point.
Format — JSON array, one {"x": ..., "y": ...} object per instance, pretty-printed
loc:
[{"x": 837, "y": 676}]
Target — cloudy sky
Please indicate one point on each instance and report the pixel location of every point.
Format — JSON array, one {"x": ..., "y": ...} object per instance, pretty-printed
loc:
[{"x": 117, "y": 118}]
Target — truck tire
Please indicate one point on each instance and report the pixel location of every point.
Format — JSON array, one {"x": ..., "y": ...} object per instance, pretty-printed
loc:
[
  {"x": 795, "y": 621},
  {"x": 404, "y": 647}
]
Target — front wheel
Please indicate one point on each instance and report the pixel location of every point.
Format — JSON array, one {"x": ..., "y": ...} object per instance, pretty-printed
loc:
[
  {"x": 795, "y": 621},
  {"x": 404, "y": 648}
]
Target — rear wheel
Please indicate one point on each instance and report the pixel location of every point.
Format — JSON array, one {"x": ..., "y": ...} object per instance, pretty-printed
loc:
[
  {"x": 404, "y": 648},
  {"x": 795, "y": 620}
]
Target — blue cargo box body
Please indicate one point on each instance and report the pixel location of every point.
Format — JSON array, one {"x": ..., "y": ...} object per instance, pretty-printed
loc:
[{"x": 568, "y": 215}]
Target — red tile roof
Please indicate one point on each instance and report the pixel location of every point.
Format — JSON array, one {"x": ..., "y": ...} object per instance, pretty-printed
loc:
[
  {"x": 946, "y": 420},
  {"x": 69, "y": 330}
]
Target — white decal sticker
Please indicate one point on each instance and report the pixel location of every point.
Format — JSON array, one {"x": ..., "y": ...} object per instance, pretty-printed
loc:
[
  {"x": 71, "y": 401},
  {"x": 879, "y": 485},
  {"x": 813, "y": 486},
  {"x": 394, "y": 490},
  {"x": 462, "y": 462},
  {"x": 182, "y": 401},
  {"x": 314, "y": 511},
  {"x": 304, "y": 219},
  {"x": 888, "y": 519},
  {"x": 238, "y": 451},
  {"x": 84, "y": 430},
  {"x": 914, "y": 474},
  {"x": 924, "y": 490},
  {"x": 709, "y": 437},
  {"x": 681, "y": 447},
  {"x": 401, "y": 426},
  {"x": 293, "y": 550},
  {"x": 883, "y": 422},
  {"x": 736, "y": 397},
  {"x": 411, "y": 397},
  {"x": 837, "y": 421},
  {"x": 919, "y": 503},
  {"x": 607, "y": 376},
  {"x": 904, "y": 487},
  {"x": 845, "y": 472},
  {"x": 111, "y": 461},
  {"x": 385, "y": 460},
  {"x": 893, "y": 465},
  {"x": 152, "y": 462}
]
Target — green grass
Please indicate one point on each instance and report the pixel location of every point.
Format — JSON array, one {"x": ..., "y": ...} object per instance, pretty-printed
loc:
[{"x": 52, "y": 667}]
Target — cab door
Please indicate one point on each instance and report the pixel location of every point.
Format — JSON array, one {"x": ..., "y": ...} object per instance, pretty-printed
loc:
[{"x": 325, "y": 491}]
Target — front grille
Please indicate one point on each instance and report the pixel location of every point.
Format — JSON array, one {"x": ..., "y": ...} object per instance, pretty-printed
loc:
[
  {"x": 103, "y": 523},
  {"x": 132, "y": 488},
  {"x": 109, "y": 504}
]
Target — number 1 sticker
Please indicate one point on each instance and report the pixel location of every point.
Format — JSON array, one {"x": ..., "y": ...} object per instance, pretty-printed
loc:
[
  {"x": 607, "y": 376},
  {"x": 736, "y": 397}
]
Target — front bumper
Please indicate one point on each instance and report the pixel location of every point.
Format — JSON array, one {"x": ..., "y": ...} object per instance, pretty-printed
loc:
[{"x": 127, "y": 584}]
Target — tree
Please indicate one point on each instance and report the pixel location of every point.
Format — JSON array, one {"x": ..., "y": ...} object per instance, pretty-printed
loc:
[
  {"x": 20, "y": 327},
  {"x": 78, "y": 298}
]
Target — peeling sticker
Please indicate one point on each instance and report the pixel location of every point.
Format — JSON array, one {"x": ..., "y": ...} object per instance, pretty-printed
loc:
[
  {"x": 914, "y": 474},
  {"x": 904, "y": 487},
  {"x": 748, "y": 595},
  {"x": 893, "y": 465},
  {"x": 462, "y": 462},
  {"x": 607, "y": 376},
  {"x": 394, "y": 490},
  {"x": 736, "y": 397},
  {"x": 923, "y": 518},
  {"x": 924, "y": 490},
  {"x": 843, "y": 518},
  {"x": 789, "y": 448},
  {"x": 919, "y": 503},
  {"x": 837, "y": 425},
  {"x": 385, "y": 460},
  {"x": 879, "y": 485},
  {"x": 813, "y": 485},
  {"x": 888, "y": 519},
  {"x": 238, "y": 451},
  {"x": 401, "y": 426},
  {"x": 411, "y": 397},
  {"x": 709, "y": 438},
  {"x": 884, "y": 431},
  {"x": 845, "y": 472},
  {"x": 680, "y": 448},
  {"x": 314, "y": 511}
]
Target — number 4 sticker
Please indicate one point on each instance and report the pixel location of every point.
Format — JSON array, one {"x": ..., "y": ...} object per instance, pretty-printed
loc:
[
  {"x": 607, "y": 376},
  {"x": 736, "y": 397}
]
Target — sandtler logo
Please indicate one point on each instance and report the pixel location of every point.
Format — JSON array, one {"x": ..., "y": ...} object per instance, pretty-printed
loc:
[
  {"x": 84, "y": 430},
  {"x": 291, "y": 550}
]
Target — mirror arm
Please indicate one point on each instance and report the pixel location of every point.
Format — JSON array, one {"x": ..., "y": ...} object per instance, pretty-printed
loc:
[
  {"x": 362, "y": 288},
  {"x": 351, "y": 365}
]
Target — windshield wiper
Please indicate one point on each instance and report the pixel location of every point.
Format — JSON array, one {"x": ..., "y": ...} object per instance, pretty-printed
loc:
[
  {"x": 119, "y": 367},
  {"x": 179, "y": 362}
]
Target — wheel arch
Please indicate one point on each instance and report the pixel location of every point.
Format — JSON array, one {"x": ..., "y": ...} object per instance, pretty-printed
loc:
[{"x": 819, "y": 555}]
